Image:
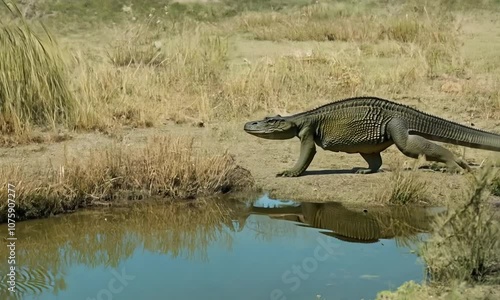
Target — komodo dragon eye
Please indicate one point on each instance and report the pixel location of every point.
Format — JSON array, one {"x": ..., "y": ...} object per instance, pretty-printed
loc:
[{"x": 273, "y": 120}]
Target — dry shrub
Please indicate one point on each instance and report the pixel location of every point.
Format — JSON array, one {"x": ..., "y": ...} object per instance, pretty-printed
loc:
[
  {"x": 465, "y": 245},
  {"x": 166, "y": 167}
]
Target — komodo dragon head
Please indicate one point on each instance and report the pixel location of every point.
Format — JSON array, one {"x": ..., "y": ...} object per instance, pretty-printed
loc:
[{"x": 273, "y": 128}]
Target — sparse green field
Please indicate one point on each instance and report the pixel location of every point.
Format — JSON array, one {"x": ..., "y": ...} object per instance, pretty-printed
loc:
[{"x": 101, "y": 67}]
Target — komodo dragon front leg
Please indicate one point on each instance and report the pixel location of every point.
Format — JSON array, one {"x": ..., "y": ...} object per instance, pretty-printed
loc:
[
  {"x": 413, "y": 146},
  {"x": 307, "y": 152}
]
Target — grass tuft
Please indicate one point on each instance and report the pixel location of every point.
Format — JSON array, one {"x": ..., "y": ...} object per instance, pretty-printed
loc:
[
  {"x": 404, "y": 188},
  {"x": 34, "y": 87}
]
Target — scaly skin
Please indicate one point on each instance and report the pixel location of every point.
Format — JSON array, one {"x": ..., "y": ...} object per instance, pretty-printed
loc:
[{"x": 369, "y": 125}]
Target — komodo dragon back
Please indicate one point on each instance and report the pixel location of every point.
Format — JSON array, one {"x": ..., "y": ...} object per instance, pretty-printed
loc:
[
  {"x": 419, "y": 123},
  {"x": 369, "y": 125}
]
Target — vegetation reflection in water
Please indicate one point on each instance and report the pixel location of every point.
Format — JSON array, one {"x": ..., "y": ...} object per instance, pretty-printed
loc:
[{"x": 227, "y": 243}]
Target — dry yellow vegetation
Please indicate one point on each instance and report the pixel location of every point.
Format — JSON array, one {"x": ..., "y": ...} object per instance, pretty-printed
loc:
[
  {"x": 114, "y": 66},
  {"x": 184, "y": 62},
  {"x": 166, "y": 167}
]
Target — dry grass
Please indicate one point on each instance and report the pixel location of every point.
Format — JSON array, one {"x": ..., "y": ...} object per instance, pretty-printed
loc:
[
  {"x": 175, "y": 76},
  {"x": 405, "y": 187},
  {"x": 166, "y": 167},
  {"x": 341, "y": 22},
  {"x": 462, "y": 255},
  {"x": 158, "y": 67},
  {"x": 465, "y": 245},
  {"x": 271, "y": 83},
  {"x": 495, "y": 185},
  {"x": 454, "y": 291},
  {"x": 44, "y": 99},
  {"x": 136, "y": 46}
]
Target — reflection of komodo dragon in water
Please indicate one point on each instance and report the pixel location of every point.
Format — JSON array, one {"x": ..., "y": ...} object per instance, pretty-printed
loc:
[
  {"x": 363, "y": 226},
  {"x": 369, "y": 125}
]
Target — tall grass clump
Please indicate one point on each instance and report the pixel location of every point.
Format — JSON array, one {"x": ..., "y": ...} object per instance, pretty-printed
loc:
[
  {"x": 34, "y": 88},
  {"x": 166, "y": 167},
  {"x": 465, "y": 245},
  {"x": 199, "y": 56}
]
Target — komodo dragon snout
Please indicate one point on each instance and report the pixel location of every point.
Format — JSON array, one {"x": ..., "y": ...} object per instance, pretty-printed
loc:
[{"x": 273, "y": 128}]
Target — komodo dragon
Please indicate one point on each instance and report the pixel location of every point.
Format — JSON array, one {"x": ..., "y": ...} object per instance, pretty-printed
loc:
[{"x": 369, "y": 125}]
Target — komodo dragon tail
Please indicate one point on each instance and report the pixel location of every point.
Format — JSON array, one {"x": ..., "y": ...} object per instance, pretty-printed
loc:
[{"x": 441, "y": 130}]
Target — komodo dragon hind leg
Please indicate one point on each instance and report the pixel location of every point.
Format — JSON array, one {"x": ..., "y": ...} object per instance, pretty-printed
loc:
[
  {"x": 414, "y": 145},
  {"x": 374, "y": 161}
]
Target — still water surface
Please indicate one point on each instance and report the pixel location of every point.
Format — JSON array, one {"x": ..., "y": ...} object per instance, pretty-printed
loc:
[{"x": 227, "y": 249}]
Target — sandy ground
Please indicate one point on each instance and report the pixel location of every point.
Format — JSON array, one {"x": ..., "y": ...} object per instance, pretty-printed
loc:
[{"x": 329, "y": 177}]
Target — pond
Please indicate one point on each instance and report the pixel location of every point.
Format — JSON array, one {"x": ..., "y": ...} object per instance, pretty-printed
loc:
[{"x": 219, "y": 249}]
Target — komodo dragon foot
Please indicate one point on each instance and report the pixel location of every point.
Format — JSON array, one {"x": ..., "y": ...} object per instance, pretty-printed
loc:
[{"x": 288, "y": 173}]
